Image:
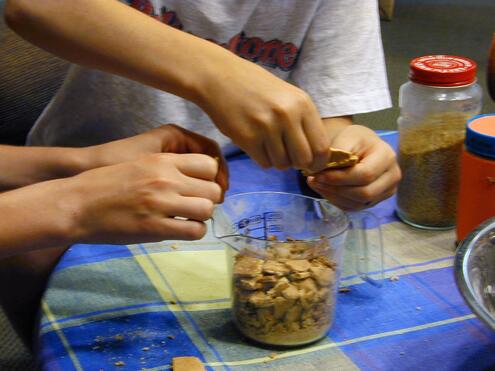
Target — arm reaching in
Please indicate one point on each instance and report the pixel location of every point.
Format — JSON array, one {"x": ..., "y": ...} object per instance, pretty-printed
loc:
[
  {"x": 131, "y": 190},
  {"x": 276, "y": 123},
  {"x": 21, "y": 166}
]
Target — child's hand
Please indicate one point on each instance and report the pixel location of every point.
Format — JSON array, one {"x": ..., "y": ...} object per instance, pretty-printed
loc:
[
  {"x": 165, "y": 139},
  {"x": 139, "y": 201},
  {"x": 274, "y": 122},
  {"x": 373, "y": 179}
]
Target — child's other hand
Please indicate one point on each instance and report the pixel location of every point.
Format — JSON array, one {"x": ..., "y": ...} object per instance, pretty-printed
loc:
[
  {"x": 373, "y": 179},
  {"x": 164, "y": 139},
  {"x": 157, "y": 197}
]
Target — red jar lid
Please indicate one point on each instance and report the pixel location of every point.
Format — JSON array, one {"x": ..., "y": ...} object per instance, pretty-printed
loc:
[{"x": 442, "y": 70}]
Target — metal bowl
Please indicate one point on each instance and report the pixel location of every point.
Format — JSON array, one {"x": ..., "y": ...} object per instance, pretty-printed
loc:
[{"x": 475, "y": 271}]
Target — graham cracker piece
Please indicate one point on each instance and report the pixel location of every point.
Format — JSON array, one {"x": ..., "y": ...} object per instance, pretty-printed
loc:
[
  {"x": 338, "y": 159},
  {"x": 187, "y": 364}
]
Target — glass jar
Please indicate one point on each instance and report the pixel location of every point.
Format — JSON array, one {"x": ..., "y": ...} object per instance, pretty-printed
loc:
[{"x": 435, "y": 104}]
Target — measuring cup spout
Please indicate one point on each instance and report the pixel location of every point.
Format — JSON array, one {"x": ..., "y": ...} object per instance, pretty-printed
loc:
[{"x": 224, "y": 228}]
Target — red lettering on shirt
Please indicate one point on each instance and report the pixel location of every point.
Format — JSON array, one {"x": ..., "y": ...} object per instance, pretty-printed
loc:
[
  {"x": 233, "y": 44},
  {"x": 287, "y": 56},
  {"x": 272, "y": 53},
  {"x": 170, "y": 18},
  {"x": 144, "y": 6},
  {"x": 251, "y": 48}
]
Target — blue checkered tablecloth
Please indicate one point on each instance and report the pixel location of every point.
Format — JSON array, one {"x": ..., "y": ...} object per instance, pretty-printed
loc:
[{"x": 136, "y": 307}]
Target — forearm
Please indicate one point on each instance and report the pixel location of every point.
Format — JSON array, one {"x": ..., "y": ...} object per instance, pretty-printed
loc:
[
  {"x": 21, "y": 166},
  {"x": 113, "y": 37},
  {"x": 35, "y": 217}
]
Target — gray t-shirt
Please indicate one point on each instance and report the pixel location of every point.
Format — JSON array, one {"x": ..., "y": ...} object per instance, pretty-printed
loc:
[{"x": 330, "y": 48}]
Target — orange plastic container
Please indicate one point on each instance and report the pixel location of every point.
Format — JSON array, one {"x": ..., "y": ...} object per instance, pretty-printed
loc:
[{"x": 476, "y": 201}]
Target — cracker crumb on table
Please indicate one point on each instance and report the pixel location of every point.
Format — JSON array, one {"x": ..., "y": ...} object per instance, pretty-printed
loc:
[{"x": 187, "y": 364}]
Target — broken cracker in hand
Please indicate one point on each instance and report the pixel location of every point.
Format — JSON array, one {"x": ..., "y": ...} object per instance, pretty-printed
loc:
[{"x": 338, "y": 159}]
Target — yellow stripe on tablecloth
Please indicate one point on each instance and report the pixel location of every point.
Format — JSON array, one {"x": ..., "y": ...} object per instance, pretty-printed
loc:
[
  {"x": 154, "y": 276},
  {"x": 193, "y": 275},
  {"x": 60, "y": 333},
  {"x": 317, "y": 348},
  {"x": 153, "y": 267}
]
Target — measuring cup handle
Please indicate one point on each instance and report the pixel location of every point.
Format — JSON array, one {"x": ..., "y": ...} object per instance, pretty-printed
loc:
[{"x": 365, "y": 244}]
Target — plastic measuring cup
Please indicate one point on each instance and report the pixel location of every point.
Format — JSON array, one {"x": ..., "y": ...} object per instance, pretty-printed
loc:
[{"x": 285, "y": 261}]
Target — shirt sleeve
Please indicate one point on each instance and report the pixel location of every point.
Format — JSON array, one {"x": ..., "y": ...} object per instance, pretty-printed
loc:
[{"x": 341, "y": 64}]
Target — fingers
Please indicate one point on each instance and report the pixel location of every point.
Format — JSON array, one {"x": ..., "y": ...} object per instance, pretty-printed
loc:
[
  {"x": 259, "y": 154},
  {"x": 372, "y": 180},
  {"x": 222, "y": 177},
  {"x": 189, "y": 175},
  {"x": 318, "y": 140},
  {"x": 193, "y": 187},
  {"x": 179, "y": 140},
  {"x": 358, "y": 175},
  {"x": 197, "y": 166},
  {"x": 371, "y": 166},
  {"x": 298, "y": 148},
  {"x": 356, "y": 197},
  {"x": 194, "y": 208},
  {"x": 275, "y": 149},
  {"x": 174, "y": 229},
  {"x": 201, "y": 173},
  {"x": 342, "y": 202}
]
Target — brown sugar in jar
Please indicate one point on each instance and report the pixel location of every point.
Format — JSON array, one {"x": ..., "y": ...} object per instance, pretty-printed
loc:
[{"x": 435, "y": 104}]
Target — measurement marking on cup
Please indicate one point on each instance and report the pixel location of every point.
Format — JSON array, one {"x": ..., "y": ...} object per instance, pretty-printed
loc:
[
  {"x": 272, "y": 228},
  {"x": 267, "y": 227}
]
